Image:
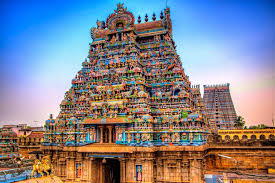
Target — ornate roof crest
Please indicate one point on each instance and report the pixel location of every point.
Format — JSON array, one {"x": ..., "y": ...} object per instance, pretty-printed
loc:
[
  {"x": 121, "y": 15},
  {"x": 120, "y": 8}
]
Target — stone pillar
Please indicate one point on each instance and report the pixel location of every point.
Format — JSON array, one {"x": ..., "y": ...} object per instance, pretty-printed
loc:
[
  {"x": 130, "y": 168},
  {"x": 86, "y": 168},
  {"x": 101, "y": 134},
  {"x": 165, "y": 170},
  {"x": 59, "y": 164},
  {"x": 122, "y": 170},
  {"x": 159, "y": 169},
  {"x": 184, "y": 169},
  {"x": 151, "y": 170},
  {"x": 110, "y": 133},
  {"x": 178, "y": 170},
  {"x": 201, "y": 169},
  {"x": 56, "y": 170},
  {"x": 195, "y": 171},
  {"x": 144, "y": 169},
  {"x": 101, "y": 178},
  {"x": 93, "y": 170},
  {"x": 70, "y": 168}
]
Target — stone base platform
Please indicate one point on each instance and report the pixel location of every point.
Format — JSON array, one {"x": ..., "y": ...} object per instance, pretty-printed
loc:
[{"x": 48, "y": 179}]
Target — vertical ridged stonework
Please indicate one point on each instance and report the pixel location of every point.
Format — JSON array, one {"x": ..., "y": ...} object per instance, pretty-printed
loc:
[{"x": 219, "y": 106}]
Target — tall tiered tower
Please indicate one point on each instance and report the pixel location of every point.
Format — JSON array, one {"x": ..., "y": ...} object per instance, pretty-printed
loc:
[
  {"x": 219, "y": 106},
  {"x": 131, "y": 91}
]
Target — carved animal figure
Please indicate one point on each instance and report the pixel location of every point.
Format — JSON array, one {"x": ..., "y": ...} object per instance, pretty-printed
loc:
[{"x": 43, "y": 166}]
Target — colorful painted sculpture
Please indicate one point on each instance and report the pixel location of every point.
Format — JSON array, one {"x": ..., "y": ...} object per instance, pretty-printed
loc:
[
  {"x": 131, "y": 90},
  {"x": 43, "y": 166}
]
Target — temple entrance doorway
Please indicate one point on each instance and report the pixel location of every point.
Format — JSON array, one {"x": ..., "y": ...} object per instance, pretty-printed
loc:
[{"x": 111, "y": 170}]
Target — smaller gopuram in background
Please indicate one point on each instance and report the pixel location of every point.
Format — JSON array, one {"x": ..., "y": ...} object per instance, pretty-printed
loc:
[{"x": 219, "y": 106}]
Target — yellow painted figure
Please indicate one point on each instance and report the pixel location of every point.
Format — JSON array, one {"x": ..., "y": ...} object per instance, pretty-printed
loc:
[{"x": 43, "y": 166}]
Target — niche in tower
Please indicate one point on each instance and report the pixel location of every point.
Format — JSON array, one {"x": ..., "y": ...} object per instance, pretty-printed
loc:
[
  {"x": 119, "y": 25},
  {"x": 119, "y": 36}
]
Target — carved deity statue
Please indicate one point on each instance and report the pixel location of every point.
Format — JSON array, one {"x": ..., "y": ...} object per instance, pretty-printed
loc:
[
  {"x": 132, "y": 37},
  {"x": 157, "y": 38},
  {"x": 129, "y": 137},
  {"x": 92, "y": 134},
  {"x": 167, "y": 37},
  {"x": 191, "y": 137},
  {"x": 113, "y": 40},
  {"x": 100, "y": 24},
  {"x": 124, "y": 37}
]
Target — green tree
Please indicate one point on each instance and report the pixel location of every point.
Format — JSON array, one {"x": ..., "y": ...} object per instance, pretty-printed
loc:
[
  {"x": 253, "y": 127},
  {"x": 240, "y": 122},
  {"x": 260, "y": 126}
]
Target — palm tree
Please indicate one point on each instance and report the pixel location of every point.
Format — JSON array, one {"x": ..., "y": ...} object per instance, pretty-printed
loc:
[{"x": 240, "y": 122}]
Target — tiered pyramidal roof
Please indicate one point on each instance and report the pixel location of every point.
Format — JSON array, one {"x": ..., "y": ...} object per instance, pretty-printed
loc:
[
  {"x": 131, "y": 89},
  {"x": 219, "y": 107}
]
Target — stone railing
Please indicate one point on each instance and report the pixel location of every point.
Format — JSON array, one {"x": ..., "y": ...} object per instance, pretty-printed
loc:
[{"x": 215, "y": 139}]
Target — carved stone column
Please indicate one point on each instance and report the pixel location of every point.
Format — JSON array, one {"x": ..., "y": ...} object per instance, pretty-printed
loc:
[
  {"x": 150, "y": 169},
  {"x": 184, "y": 168},
  {"x": 93, "y": 170},
  {"x": 85, "y": 168},
  {"x": 130, "y": 168},
  {"x": 195, "y": 170},
  {"x": 70, "y": 168},
  {"x": 122, "y": 170},
  {"x": 110, "y": 133},
  {"x": 101, "y": 134},
  {"x": 159, "y": 168}
]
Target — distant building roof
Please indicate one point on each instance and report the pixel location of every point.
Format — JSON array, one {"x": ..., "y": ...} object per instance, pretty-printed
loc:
[
  {"x": 36, "y": 134},
  {"x": 8, "y": 134},
  {"x": 9, "y": 126},
  {"x": 37, "y": 128}
]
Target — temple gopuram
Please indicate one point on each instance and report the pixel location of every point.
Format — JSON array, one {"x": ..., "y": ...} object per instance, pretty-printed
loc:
[
  {"x": 219, "y": 107},
  {"x": 131, "y": 114}
]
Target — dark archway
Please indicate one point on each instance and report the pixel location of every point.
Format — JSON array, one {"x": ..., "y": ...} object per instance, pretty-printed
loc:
[
  {"x": 227, "y": 137},
  {"x": 236, "y": 137},
  {"x": 271, "y": 137},
  {"x": 253, "y": 137},
  {"x": 262, "y": 137},
  {"x": 176, "y": 92},
  {"x": 112, "y": 171}
]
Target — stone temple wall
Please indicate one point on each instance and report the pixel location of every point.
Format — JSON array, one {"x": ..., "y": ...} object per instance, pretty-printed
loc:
[
  {"x": 249, "y": 159},
  {"x": 248, "y": 154},
  {"x": 161, "y": 164}
]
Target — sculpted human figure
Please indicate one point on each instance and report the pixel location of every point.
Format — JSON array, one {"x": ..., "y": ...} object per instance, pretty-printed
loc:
[
  {"x": 124, "y": 37},
  {"x": 191, "y": 137},
  {"x": 129, "y": 137},
  {"x": 113, "y": 40},
  {"x": 132, "y": 37},
  {"x": 167, "y": 37},
  {"x": 157, "y": 38},
  {"x": 138, "y": 138}
]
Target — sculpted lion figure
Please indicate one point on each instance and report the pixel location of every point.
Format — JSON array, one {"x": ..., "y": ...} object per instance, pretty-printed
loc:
[{"x": 43, "y": 166}]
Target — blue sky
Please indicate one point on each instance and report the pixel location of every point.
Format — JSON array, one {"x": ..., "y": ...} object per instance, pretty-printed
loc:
[{"x": 43, "y": 43}]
